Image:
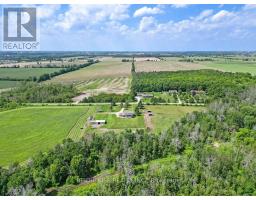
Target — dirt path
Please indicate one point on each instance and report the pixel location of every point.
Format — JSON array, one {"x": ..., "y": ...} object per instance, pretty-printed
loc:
[{"x": 148, "y": 121}]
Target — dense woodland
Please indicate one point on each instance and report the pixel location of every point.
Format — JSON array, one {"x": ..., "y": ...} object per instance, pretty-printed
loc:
[
  {"x": 212, "y": 153},
  {"x": 215, "y": 83},
  {"x": 30, "y": 92}
]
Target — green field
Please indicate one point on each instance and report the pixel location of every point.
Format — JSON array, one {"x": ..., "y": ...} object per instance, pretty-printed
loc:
[
  {"x": 234, "y": 66},
  {"x": 25, "y": 73},
  {"x": 114, "y": 122},
  {"x": 165, "y": 115},
  {"x": 27, "y": 131},
  {"x": 8, "y": 84}
]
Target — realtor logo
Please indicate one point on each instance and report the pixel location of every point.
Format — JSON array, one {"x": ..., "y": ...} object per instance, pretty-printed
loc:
[
  {"x": 19, "y": 24},
  {"x": 20, "y": 29}
]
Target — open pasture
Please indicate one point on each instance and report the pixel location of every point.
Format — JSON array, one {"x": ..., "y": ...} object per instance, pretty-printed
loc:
[
  {"x": 26, "y": 131},
  {"x": 165, "y": 115}
]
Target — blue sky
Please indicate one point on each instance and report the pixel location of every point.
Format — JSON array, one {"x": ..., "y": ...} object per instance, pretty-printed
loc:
[{"x": 148, "y": 27}]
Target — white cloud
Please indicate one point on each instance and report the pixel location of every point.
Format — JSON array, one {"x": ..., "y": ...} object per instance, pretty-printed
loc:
[
  {"x": 47, "y": 11},
  {"x": 147, "y": 24},
  {"x": 249, "y": 6},
  {"x": 204, "y": 14},
  {"x": 89, "y": 15},
  {"x": 222, "y": 15},
  {"x": 147, "y": 11},
  {"x": 180, "y": 5}
]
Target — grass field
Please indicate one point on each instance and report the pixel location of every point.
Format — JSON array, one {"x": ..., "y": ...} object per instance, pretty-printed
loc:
[
  {"x": 27, "y": 131},
  {"x": 112, "y": 67},
  {"x": 165, "y": 115},
  {"x": 24, "y": 73},
  {"x": 8, "y": 84},
  {"x": 234, "y": 66},
  {"x": 113, "y": 122}
]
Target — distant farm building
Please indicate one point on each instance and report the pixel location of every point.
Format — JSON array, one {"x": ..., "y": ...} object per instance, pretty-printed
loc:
[
  {"x": 96, "y": 123},
  {"x": 173, "y": 91},
  {"x": 125, "y": 114},
  {"x": 145, "y": 95},
  {"x": 194, "y": 92}
]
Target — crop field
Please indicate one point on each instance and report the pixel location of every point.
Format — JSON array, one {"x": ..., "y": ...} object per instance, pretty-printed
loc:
[
  {"x": 168, "y": 64},
  {"x": 118, "y": 85},
  {"x": 25, "y": 73},
  {"x": 112, "y": 67},
  {"x": 8, "y": 84},
  {"x": 27, "y": 131},
  {"x": 46, "y": 63},
  {"x": 165, "y": 115}
]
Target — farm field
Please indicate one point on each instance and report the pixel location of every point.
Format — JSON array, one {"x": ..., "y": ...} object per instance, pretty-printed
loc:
[
  {"x": 234, "y": 66},
  {"x": 27, "y": 131},
  {"x": 46, "y": 63},
  {"x": 8, "y": 84},
  {"x": 111, "y": 67},
  {"x": 168, "y": 64},
  {"x": 25, "y": 73},
  {"x": 165, "y": 115},
  {"x": 117, "y": 85}
]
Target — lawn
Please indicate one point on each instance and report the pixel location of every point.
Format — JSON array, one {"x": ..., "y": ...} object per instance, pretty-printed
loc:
[
  {"x": 25, "y": 73},
  {"x": 114, "y": 122},
  {"x": 27, "y": 131},
  {"x": 165, "y": 115}
]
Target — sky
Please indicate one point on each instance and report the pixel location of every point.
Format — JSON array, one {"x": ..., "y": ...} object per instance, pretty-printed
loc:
[{"x": 147, "y": 27}]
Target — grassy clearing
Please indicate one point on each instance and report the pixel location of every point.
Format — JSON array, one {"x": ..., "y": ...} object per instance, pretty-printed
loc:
[
  {"x": 168, "y": 98},
  {"x": 27, "y": 131},
  {"x": 25, "y": 73},
  {"x": 112, "y": 67},
  {"x": 165, "y": 115},
  {"x": 8, "y": 84},
  {"x": 113, "y": 122}
]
